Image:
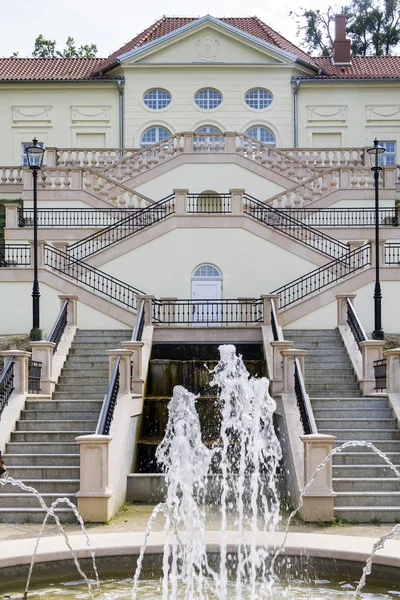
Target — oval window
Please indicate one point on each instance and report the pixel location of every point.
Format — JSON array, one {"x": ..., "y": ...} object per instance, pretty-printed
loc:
[
  {"x": 208, "y": 99},
  {"x": 258, "y": 98},
  {"x": 157, "y": 99}
]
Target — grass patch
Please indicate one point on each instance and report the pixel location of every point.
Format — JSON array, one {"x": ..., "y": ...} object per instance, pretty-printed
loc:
[
  {"x": 391, "y": 341},
  {"x": 14, "y": 342}
]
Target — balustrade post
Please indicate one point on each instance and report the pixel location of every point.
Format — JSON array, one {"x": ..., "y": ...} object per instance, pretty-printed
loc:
[
  {"x": 51, "y": 157},
  {"x": 188, "y": 141},
  {"x": 148, "y": 307},
  {"x": 76, "y": 177},
  {"x": 277, "y": 364},
  {"x": 41, "y": 253},
  {"x": 382, "y": 245},
  {"x": 21, "y": 368},
  {"x": 341, "y": 300},
  {"x": 289, "y": 367},
  {"x": 43, "y": 352},
  {"x": 27, "y": 179},
  {"x": 344, "y": 178},
  {"x": 389, "y": 176},
  {"x": 392, "y": 370},
  {"x": 12, "y": 211},
  {"x": 354, "y": 244},
  {"x": 267, "y": 298},
  {"x": 94, "y": 494},
  {"x": 318, "y": 500},
  {"x": 124, "y": 368},
  {"x": 180, "y": 201},
  {"x": 72, "y": 312},
  {"x": 371, "y": 350},
  {"x": 230, "y": 142},
  {"x": 61, "y": 246},
  {"x": 237, "y": 201},
  {"x": 137, "y": 383}
]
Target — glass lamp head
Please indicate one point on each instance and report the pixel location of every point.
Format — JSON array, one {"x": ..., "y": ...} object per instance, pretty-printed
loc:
[
  {"x": 376, "y": 148},
  {"x": 35, "y": 154}
]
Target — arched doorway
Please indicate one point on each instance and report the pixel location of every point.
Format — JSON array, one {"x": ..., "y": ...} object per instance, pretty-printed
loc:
[
  {"x": 209, "y": 202},
  {"x": 206, "y": 291}
]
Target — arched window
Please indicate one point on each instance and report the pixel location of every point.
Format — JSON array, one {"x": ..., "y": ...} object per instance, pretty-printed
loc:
[
  {"x": 209, "y": 202},
  {"x": 205, "y": 142},
  {"x": 206, "y": 271},
  {"x": 258, "y": 98},
  {"x": 208, "y": 99},
  {"x": 157, "y": 99},
  {"x": 153, "y": 135},
  {"x": 262, "y": 134}
]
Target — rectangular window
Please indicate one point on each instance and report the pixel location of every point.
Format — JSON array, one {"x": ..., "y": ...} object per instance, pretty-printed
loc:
[
  {"x": 389, "y": 157},
  {"x": 24, "y": 158}
]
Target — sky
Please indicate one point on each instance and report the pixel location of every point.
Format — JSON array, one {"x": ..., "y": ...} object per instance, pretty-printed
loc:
[{"x": 110, "y": 25}]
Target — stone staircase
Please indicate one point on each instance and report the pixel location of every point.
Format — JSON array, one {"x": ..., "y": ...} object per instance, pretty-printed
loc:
[
  {"x": 42, "y": 452},
  {"x": 366, "y": 487}
]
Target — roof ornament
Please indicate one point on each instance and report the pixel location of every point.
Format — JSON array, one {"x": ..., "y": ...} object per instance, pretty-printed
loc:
[{"x": 208, "y": 48}]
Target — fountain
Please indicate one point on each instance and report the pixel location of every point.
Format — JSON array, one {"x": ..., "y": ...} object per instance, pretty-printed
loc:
[{"x": 249, "y": 563}]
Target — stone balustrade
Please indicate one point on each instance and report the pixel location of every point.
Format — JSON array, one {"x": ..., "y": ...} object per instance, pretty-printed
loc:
[
  {"x": 11, "y": 175},
  {"x": 118, "y": 195},
  {"x": 330, "y": 157},
  {"x": 86, "y": 157}
]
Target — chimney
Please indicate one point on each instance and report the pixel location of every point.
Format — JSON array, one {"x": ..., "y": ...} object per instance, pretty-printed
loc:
[{"x": 341, "y": 46}]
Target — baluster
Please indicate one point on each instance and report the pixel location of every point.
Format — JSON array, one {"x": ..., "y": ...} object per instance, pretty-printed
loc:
[
  {"x": 197, "y": 144},
  {"x": 85, "y": 160},
  {"x": 88, "y": 180},
  {"x": 67, "y": 179},
  {"x": 354, "y": 179},
  {"x": 241, "y": 146},
  {"x": 213, "y": 145},
  {"x": 363, "y": 181},
  {"x": 3, "y": 176},
  {"x": 371, "y": 182},
  {"x": 68, "y": 162},
  {"x": 161, "y": 152},
  {"x": 171, "y": 148},
  {"x": 93, "y": 160},
  {"x": 48, "y": 180},
  {"x": 334, "y": 182},
  {"x": 60, "y": 158},
  {"x": 122, "y": 199},
  {"x": 96, "y": 184},
  {"x": 19, "y": 176},
  {"x": 57, "y": 180},
  {"x": 113, "y": 194},
  {"x": 257, "y": 155}
]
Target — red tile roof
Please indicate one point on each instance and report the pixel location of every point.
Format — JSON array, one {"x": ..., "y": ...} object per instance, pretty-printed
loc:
[
  {"x": 48, "y": 69},
  {"x": 362, "y": 67}
]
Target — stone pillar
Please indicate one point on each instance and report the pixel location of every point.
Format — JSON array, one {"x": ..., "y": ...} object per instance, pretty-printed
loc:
[
  {"x": 288, "y": 367},
  {"x": 344, "y": 178},
  {"x": 230, "y": 142},
  {"x": 277, "y": 375},
  {"x": 371, "y": 350},
  {"x": 148, "y": 307},
  {"x": 354, "y": 244},
  {"x": 61, "y": 246},
  {"x": 43, "y": 352},
  {"x": 168, "y": 309},
  {"x": 21, "y": 368},
  {"x": 341, "y": 300},
  {"x": 389, "y": 176},
  {"x": 11, "y": 214},
  {"x": 136, "y": 348},
  {"x": 267, "y": 299},
  {"x": 51, "y": 157},
  {"x": 319, "y": 498},
  {"x": 124, "y": 368},
  {"x": 382, "y": 244},
  {"x": 76, "y": 179},
  {"x": 181, "y": 201},
  {"x": 237, "y": 201},
  {"x": 94, "y": 494},
  {"x": 392, "y": 370},
  {"x": 188, "y": 141},
  {"x": 27, "y": 179},
  {"x": 41, "y": 254},
  {"x": 72, "y": 310}
]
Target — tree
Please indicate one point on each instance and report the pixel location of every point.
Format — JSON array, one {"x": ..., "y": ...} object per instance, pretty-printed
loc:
[
  {"x": 373, "y": 27},
  {"x": 47, "y": 49}
]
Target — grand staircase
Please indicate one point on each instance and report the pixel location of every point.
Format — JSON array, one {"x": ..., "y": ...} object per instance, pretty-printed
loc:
[
  {"x": 367, "y": 489},
  {"x": 43, "y": 452}
]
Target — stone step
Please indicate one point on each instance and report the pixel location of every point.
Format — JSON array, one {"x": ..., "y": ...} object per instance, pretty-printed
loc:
[
  {"x": 87, "y": 387},
  {"x": 43, "y": 472},
  {"x": 357, "y": 403},
  {"x": 382, "y": 514},
  {"x": 102, "y": 340},
  {"x": 60, "y": 487},
  {"x": 375, "y": 484},
  {"x": 71, "y": 379},
  {"x": 368, "y": 499},
  {"x": 48, "y": 448},
  {"x": 335, "y": 354},
  {"x": 87, "y": 361},
  {"x": 372, "y": 424},
  {"x": 382, "y": 445},
  {"x": 33, "y": 515},
  {"x": 47, "y": 436},
  {"x": 69, "y": 405},
  {"x": 311, "y": 333},
  {"x": 364, "y": 458},
  {"x": 62, "y": 415},
  {"x": 323, "y": 360},
  {"x": 322, "y": 344},
  {"x": 82, "y": 395},
  {"x": 26, "y": 500},
  {"x": 363, "y": 434},
  {"x": 102, "y": 332},
  {"x": 78, "y": 371},
  {"x": 60, "y": 460},
  {"x": 363, "y": 471},
  {"x": 352, "y": 413},
  {"x": 58, "y": 426},
  {"x": 323, "y": 370},
  {"x": 337, "y": 387},
  {"x": 334, "y": 393},
  {"x": 89, "y": 352}
]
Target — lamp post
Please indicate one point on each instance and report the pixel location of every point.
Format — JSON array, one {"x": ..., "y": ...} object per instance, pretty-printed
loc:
[
  {"x": 377, "y": 334},
  {"x": 35, "y": 154}
]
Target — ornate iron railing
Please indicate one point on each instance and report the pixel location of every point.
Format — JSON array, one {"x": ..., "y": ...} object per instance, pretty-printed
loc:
[
  {"x": 392, "y": 254},
  {"x": 34, "y": 375},
  {"x": 283, "y": 221},
  {"x": 208, "y": 203},
  {"x": 208, "y": 313},
  {"x": 15, "y": 255},
  {"x": 93, "y": 278},
  {"x": 323, "y": 276},
  {"x": 303, "y": 401},
  {"x": 59, "y": 326},
  {"x": 380, "y": 374},
  {"x": 122, "y": 229},
  {"x": 355, "y": 325},
  {"x": 110, "y": 401},
  {"x": 139, "y": 327},
  {"x": 343, "y": 217},
  {"x": 6, "y": 383},
  {"x": 74, "y": 217}
]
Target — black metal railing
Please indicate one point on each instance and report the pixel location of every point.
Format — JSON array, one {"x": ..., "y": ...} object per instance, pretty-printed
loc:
[
  {"x": 380, "y": 374},
  {"x": 208, "y": 312},
  {"x": 303, "y": 401},
  {"x": 74, "y": 217},
  {"x": 93, "y": 278},
  {"x": 59, "y": 326},
  {"x": 15, "y": 255},
  {"x": 343, "y": 217},
  {"x": 139, "y": 327},
  {"x": 34, "y": 375},
  {"x": 110, "y": 401},
  {"x": 392, "y": 254},
  {"x": 208, "y": 203},
  {"x": 355, "y": 325},
  {"x": 140, "y": 219},
  {"x": 323, "y": 276},
  {"x": 6, "y": 383},
  {"x": 283, "y": 221},
  {"x": 275, "y": 323}
]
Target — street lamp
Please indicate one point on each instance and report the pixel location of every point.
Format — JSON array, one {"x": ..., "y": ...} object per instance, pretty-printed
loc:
[
  {"x": 377, "y": 334},
  {"x": 35, "y": 155}
]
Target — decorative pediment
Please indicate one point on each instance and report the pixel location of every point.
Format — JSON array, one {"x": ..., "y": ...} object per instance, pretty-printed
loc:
[
  {"x": 31, "y": 113},
  {"x": 92, "y": 112},
  {"x": 323, "y": 112},
  {"x": 383, "y": 112}
]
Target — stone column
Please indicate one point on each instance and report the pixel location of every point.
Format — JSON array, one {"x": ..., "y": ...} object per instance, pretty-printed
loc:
[
  {"x": 11, "y": 215},
  {"x": 181, "y": 201},
  {"x": 230, "y": 144},
  {"x": 289, "y": 367},
  {"x": 319, "y": 498},
  {"x": 382, "y": 244},
  {"x": 124, "y": 368},
  {"x": 237, "y": 201},
  {"x": 51, "y": 157},
  {"x": 344, "y": 178},
  {"x": 341, "y": 300},
  {"x": 277, "y": 375},
  {"x": 136, "y": 348},
  {"x": 43, "y": 352},
  {"x": 392, "y": 370},
  {"x": 148, "y": 307},
  {"x": 389, "y": 176},
  {"x": 371, "y": 350},
  {"x": 41, "y": 254},
  {"x": 21, "y": 368},
  {"x": 76, "y": 179},
  {"x": 267, "y": 298},
  {"x": 94, "y": 495},
  {"x": 72, "y": 310},
  {"x": 188, "y": 141}
]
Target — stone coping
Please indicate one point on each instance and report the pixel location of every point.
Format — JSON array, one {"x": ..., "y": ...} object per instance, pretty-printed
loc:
[{"x": 348, "y": 548}]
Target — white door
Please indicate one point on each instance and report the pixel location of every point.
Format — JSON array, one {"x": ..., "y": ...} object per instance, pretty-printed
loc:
[{"x": 206, "y": 312}]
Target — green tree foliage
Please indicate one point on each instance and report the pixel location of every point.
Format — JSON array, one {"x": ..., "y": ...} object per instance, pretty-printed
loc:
[
  {"x": 373, "y": 26},
  {"x": 47, "y": 49}
]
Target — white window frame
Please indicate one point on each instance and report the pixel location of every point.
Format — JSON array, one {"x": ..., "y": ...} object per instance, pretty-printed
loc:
[
  {"x": 157, "y": 139},
  {"x": 162, "y": 99},
  {"x": 207, "y": 96},
  {"x": 258, "y": 129},
  {"x": 388, "y": 157},
  {"x": 258, "y": 99}
]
